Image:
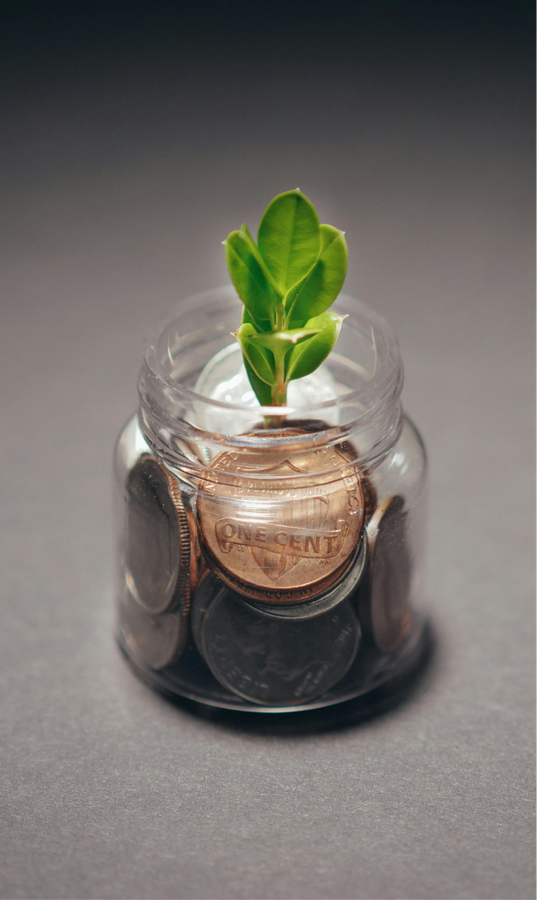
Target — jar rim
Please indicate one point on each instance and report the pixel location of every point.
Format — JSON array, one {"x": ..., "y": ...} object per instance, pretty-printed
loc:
[{"x": 388, "y": 373}]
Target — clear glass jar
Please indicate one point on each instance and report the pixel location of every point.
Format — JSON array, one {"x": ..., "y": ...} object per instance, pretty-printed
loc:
[{"x": 269, "y": 559}]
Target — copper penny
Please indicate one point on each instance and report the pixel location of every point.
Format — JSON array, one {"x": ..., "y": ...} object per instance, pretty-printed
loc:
[
  {"x": 274, "y": 596},
  {"x": 343, "y": 589},
  {"x": 278, "y": 529},
  {"x": 369, "y": 493},
  {"x": 384, "y": 600}
]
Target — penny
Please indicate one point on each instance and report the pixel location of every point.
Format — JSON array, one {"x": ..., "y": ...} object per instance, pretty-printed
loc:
[
  {"x": 277, "y": 662},
  {"x": 274, "y": 596},
  {"x": 348, "y": 450},
  {"x": 154, "y": 641},
  {"x": 280, "y": 523},
  {"x": 343, "y": 590},
  {"x": 157, "y": 538},
  {"x": 384, "y": 602}
]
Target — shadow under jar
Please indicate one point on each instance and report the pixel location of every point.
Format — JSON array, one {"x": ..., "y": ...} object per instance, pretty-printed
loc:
[{"x": 269, "y": 559}]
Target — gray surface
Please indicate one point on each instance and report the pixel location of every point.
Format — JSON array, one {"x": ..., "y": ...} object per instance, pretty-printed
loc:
[{"x": 119, "y": 189}]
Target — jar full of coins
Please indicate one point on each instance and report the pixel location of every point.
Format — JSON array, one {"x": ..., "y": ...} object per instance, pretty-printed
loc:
[{"x": 269, "y": 558}]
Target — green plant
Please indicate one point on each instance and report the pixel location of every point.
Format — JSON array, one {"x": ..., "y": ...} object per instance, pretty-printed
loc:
[{"x": 286, "y": 281}]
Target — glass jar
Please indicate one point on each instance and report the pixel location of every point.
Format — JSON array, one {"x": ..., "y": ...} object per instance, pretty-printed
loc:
[{"x": 269, "y": 559}]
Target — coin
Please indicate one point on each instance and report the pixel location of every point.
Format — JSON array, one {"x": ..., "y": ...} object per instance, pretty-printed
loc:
[
  {"x": 278, "y": 527},
  {"x": 196, "y": 562},
  {"x": 328, "y": 600},
  {"x": 369, "y": 492},
  {"x": 349, "y": 451},
  {"x": 208, "y": 587},
  {"x": 274, "y": 596},
  {"x": 277, "y": 662},
  {"x": 158, "y": 538},
  {"x": 384, "y": 601},
  {"x": 154, "y": 641}
]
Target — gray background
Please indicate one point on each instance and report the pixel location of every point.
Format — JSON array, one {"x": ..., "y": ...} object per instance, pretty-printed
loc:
[{"x": 122, "y": 173}]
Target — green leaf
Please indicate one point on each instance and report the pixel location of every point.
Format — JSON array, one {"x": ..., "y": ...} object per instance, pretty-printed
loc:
[
  {"x": 306, "y": 357},
  {"x": 289, "y": 238},
  {"x": 262, "y": 391},
  {"x": 287, "y": 284},
  {"x": 279, "y": 343},
  {"x": 320, "y": 287},
  {"x": 258, "y": 358},
  {"x": 256, "y": 252},
  {"x": 249, "y": 279},
  {"x": 261, "y": 325},
  {"x": 276, "y": 339}
]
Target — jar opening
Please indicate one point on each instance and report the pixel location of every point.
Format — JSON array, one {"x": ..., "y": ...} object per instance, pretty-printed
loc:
[{"x": 356, "y": 390}]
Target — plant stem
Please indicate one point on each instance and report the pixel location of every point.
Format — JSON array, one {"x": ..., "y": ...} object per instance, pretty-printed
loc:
[
  {"x": 279, "y": 395},
  {"x": 279, "y": 390}
]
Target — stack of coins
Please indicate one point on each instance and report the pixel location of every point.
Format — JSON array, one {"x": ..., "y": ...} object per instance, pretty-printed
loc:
[
  {"x": 289, "y": 569},
  {"x": 283, "y": 535},
  {"x": 155, "y": 610}
]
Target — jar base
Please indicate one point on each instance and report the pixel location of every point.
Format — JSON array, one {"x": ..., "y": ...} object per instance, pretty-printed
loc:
[{"x": 190, "y": 680}]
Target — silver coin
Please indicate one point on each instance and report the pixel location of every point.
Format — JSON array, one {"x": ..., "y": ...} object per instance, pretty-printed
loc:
[
  {"x": 384, "y": 600},
  {"x": 154, "y": 641},
  {"x": 207, "y": 588},
  {"x": 329, "y": 600},
  {"x": 158, "y": 538},
  {"x": 277, "y": 662}
]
